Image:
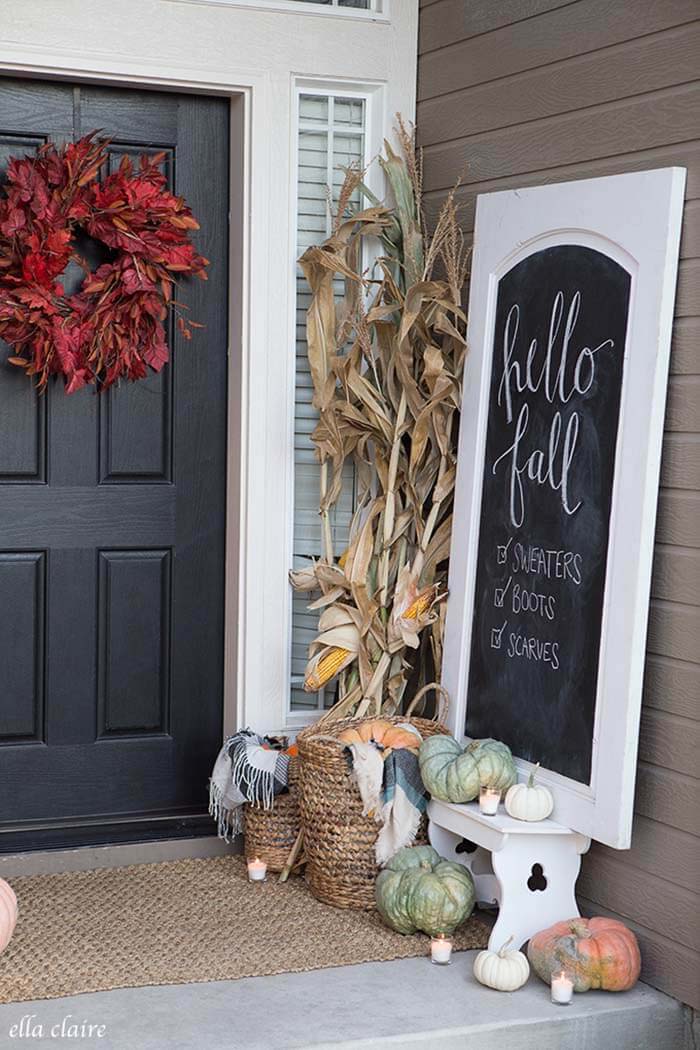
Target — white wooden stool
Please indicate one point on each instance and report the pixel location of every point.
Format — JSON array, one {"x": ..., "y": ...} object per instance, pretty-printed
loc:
[{"x": 528, "y": 869}]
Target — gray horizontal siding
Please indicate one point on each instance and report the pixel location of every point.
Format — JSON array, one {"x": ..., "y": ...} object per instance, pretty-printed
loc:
[
  {"x": 455, "y": 20},
  {"x": 649, "y": 64},
  {"x": 523, "y": 92},
  {"x": 682, "y": 154},
  {"x": 566, "y": 32},
  {"x": 632, "y": 124}
]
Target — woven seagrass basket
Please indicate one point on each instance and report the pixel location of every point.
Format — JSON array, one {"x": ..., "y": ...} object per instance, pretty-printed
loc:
[
  {"x": 338, "y": 840},
  {"x": 271, "y": 833}
]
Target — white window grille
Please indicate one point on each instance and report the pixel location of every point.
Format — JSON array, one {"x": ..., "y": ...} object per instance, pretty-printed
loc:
[
  {"x": 352, "y": 10},
  {"x": 365, "y": 5},
  {"x": 331, "y": 135}
]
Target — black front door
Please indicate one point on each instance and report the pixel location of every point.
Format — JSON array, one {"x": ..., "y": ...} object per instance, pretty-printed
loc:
[{"x": 112, "y": 513}]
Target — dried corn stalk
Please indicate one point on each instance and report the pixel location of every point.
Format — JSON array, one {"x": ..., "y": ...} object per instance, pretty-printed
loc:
[{"x": 386, "y": 364}]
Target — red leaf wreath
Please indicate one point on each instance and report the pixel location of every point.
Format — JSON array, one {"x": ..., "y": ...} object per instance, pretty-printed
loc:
[{"x": 113, "y": 327}]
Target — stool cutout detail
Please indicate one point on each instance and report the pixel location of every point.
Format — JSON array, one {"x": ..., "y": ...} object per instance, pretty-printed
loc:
[{"x": 537, "y": 881}]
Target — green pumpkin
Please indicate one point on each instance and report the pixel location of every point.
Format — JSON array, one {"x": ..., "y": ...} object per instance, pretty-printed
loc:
[
  {"x": 418, "y": 890},
  {"x": 455, "y": 775}
]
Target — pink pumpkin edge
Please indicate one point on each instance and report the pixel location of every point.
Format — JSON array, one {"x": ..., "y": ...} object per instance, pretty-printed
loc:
[{"x": 8, "y": 897}]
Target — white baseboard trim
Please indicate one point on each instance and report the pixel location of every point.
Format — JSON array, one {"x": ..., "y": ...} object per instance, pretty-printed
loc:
[{"x": 88, "y": 857}]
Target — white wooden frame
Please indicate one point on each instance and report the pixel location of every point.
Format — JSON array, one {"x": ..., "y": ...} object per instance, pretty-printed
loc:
[
  {"x": 635, "y": 219},
  {"x": 254, "y": 54}
]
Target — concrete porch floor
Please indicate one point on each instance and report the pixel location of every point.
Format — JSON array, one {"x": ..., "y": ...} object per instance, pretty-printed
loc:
[{"x": 408, "y": 1003}]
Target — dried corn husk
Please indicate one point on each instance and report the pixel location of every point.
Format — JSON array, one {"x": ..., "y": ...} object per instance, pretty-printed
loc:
[{"x": 386, "y": 363}]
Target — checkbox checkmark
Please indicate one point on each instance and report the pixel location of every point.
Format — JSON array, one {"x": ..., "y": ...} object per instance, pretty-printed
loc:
[
  {"x": 502, "y": 552},
  {"x": 499, "y": 595},
  {"x": 496, "y": 635}
]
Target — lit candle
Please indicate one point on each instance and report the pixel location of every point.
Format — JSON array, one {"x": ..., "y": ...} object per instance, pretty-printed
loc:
[
  {"x": 488, "y": 800},
  {"x": 257, "y": 869},
  {"x": 440, "y": 950},
  {"x": 562, "y": 988}
]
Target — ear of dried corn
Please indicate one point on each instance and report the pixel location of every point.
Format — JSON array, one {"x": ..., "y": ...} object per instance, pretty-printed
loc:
[{"x": 386, "y": 364}]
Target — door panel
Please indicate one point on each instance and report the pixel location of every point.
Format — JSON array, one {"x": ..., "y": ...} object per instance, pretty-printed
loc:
[
  {"x": 22, "y": 605},
  {"x": 112, "y": 515},
  {"x": 134, "y": 617}
]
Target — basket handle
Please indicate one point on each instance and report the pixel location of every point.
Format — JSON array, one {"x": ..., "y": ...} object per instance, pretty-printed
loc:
[
  {"x": 443, "y": 705},
  {"x": 327, "y": 737}
]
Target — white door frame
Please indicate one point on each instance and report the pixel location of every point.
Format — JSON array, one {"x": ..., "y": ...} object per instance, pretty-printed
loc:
[{"x": 255, "y": 56}]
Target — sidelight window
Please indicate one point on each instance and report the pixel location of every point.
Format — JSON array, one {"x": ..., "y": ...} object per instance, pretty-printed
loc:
[{"x": 332, "y": 134}]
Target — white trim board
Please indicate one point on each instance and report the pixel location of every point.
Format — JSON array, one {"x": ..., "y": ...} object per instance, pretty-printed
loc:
[
  {"x": 635, "y": 220},
  {"x": 118, "y": 855},
  {"x": 378, "y": 11},
  {"x": 254, "y": 56}
]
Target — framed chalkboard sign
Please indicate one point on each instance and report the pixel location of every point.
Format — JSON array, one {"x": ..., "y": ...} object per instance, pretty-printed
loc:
[{"x": 570, "y": 314}]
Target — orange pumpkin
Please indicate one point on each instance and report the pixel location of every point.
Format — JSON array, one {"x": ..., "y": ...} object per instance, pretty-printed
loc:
[
  {"x": 382, "y": 732},
  {"x": 596, "y": 953},
  {"x": 366, "y": 731},
  {"x": 396, "y": 737},
  {"x": 374, "y": 730},
  {"x": 350, "y": 736}
]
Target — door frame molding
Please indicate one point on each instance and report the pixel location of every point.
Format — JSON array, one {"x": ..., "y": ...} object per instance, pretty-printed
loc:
[{"x": 274, "y": 51}]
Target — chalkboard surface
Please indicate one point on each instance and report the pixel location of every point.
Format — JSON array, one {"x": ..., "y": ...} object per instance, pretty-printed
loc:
[{"x": 554, "y": 404}]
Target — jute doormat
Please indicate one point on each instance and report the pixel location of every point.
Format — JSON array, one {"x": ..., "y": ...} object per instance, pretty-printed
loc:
[{"x": 183, "y": 921}]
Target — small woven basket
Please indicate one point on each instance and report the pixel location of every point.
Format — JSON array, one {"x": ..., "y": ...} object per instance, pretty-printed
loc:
[
  {"x": 271, "y": 833},
  {"x": 338, "y": 840}
]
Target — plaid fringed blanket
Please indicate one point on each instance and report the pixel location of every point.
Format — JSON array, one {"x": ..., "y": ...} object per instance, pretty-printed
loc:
[
  {"x": 248, "y": 769},
  {"x": 392, "y": 792},
  {"x": 404, "y": 800}
]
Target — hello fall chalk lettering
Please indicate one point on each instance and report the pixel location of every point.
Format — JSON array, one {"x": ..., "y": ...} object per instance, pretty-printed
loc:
[
  {"x": 563, "y": 373},
  {"x": 555, "y": 388}
]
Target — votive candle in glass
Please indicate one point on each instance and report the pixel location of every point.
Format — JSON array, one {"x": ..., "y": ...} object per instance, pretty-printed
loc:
[
  {"x": 257, "y": 870},
  {"x": 488, "y": 800},
  {"x": 440, "y": 950},
  {"x": 562, "y": 988}
]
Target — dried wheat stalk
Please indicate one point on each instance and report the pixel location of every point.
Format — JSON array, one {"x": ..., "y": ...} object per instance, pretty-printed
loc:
[{"x": 386, "y": 363}]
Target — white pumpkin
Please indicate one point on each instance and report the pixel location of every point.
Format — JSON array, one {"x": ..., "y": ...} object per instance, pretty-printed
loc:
[
  {"x": 505, "y": 970},
  {"x": 529, "y": 801}
]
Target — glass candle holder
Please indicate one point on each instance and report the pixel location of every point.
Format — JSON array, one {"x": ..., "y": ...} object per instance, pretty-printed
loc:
[
  {"x": 562, "y": 988},
  {"x": 488, "y": 800},
  {"x": 440, "y": 950},
  {"x": 257, "y": 870}
]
